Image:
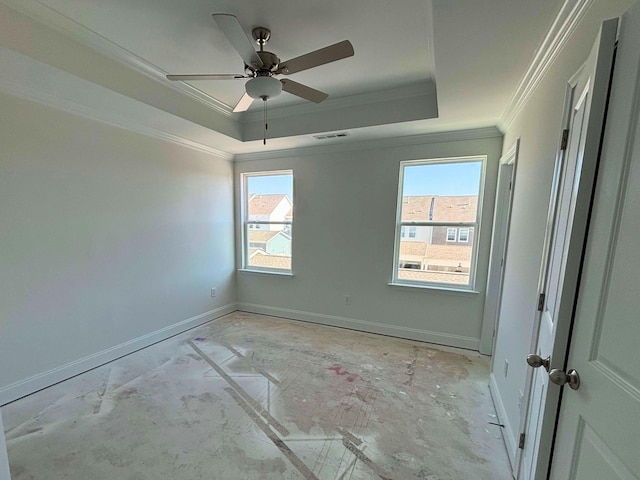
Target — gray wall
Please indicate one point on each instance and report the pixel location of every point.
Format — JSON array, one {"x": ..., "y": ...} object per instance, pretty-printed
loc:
[
  {"x": 539, "y": 126},
  {"x": 343, "y": 237},
  {"x": 109, "y": 239}
]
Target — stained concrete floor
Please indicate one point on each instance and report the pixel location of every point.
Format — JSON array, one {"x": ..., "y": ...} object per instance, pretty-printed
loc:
[{"x": 256, "y": 397}]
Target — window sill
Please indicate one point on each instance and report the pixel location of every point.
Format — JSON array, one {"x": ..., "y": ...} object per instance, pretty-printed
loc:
[
  {"x": 266, "y": 272},
  {"x": 434, "y": 288}
]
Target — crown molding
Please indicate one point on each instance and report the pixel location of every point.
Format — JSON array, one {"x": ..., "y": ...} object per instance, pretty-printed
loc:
[
  {"x": 64, "y": 25},
  {"x": 359, "y": 146},
  {"x": 65, "y": 104},
  {"x": 568, "y": 18}
]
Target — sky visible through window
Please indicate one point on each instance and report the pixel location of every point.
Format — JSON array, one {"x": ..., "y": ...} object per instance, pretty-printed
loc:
[
  {"x": 462, "y": 178},
  {"x": 270, "y": 184}
]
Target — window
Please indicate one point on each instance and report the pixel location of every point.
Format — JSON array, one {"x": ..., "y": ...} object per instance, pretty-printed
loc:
[
  {"x": 403, "y": 232},
  {"x": 439, "y": 207},
  {"x": 267, "y": 220}
]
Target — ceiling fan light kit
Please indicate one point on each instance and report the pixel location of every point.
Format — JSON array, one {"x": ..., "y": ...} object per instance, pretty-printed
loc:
[
  {"x": 263, "y": 87},
  {"x": 261, "y": 67}
]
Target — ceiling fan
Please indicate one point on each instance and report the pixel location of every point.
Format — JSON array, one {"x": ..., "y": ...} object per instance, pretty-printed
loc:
[{"x": 261, "y": 66}]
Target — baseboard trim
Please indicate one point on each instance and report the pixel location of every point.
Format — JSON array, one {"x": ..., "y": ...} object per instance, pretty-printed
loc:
[
  {"x": 469, "y": 343},
  {"x": 507, "y": 432},
  {"x": 37, "y": 382}
]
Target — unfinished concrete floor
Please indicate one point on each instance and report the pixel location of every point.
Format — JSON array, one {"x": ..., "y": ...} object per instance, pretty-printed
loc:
[{"x": 256, "y": 397}]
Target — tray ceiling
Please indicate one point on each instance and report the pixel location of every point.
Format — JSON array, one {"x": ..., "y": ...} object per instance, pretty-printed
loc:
[{"x": 419, "y": 65}]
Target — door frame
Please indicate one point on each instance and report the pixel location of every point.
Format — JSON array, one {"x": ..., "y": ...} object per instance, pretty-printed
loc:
[
  {"x": 549, "y": 231},
  {"x": 4, "y": 457},
  {"x": 499, "y": 244}
]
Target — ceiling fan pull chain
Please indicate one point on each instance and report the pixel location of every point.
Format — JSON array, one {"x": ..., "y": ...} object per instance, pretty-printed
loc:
[{"x": 266, "y": 125}]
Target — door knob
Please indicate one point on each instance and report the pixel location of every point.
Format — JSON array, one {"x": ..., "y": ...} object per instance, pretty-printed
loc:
[
  {"x": 560, "y": 378},
  {"x": 536, "y": 361}
]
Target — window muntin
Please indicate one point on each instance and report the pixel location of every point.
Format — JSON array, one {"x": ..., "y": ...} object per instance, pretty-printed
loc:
[
  {"x": 440, "y": 200},
  {"x": 267, "y": 221}
]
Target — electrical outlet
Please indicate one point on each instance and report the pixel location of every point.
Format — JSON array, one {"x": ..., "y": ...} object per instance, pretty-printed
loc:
[
  {"x": 347, "y": 299},
  {"x": 506, "y": 367},
  {"x": 213, "y": 292}
]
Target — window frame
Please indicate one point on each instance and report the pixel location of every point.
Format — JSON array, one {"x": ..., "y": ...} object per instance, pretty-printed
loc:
[
  {"x": 470, "y": 287},
  {"x": 245, "y": 224},
  {"x": 454, "y": 230},
  {"x": 468, "y": 232}
]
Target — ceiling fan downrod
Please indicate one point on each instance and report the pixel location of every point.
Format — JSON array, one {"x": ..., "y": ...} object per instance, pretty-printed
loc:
[{"x": 261, "y": 35}]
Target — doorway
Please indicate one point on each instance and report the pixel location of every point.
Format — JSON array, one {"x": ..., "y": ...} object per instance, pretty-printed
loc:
[{"x": 499, "y": 242}]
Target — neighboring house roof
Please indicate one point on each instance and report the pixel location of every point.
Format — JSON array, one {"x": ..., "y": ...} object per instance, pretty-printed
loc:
[
  {"x": 416, "y": 209},
  {"x": 436, "y": 208},
  {"x": 265, "y": 204},
  {"x": 263, "y": 236},
  {"x": 455, "y": 209},
  {"x": 271, "y": 261}
]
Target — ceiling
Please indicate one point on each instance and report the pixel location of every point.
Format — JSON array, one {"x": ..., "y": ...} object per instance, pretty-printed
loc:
[{"x": 420, "y": 66}]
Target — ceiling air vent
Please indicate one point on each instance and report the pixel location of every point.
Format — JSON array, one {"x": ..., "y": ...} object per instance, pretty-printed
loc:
[{"x": 327, "y": 136}]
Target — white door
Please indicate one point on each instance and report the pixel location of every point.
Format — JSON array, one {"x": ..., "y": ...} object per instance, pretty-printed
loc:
[
  {"x": 565, "y": 237},
  {"x": 598, "y": 434}
]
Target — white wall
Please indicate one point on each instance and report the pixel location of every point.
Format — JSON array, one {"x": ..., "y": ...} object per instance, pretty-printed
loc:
[
  {"x": 108, "y": 240},
  {"x": 539, "y": 127},
  {"x": 343, "y": 238}
]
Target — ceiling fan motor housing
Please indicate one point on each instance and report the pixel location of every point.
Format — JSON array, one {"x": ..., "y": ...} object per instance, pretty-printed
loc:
[{"x": 270, "y": 62}]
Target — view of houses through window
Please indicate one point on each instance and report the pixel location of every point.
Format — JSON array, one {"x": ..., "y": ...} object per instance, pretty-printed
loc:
[
  {"x": 268, "y": 220},
  {"x": 438, "y": 218}
]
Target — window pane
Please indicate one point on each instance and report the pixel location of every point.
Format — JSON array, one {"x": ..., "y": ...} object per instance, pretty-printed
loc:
[
  {"x": 269, "y": 199},
  {"x": 266, "y": 195},
  {"x": 438, "y": 192},
  {"x": 441, "y": 192},
  {"x": 435, "y": 260},
  {"x": 269, "y": 246}
]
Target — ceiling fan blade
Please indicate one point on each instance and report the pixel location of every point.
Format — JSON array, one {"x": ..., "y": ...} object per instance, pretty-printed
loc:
[
  {"x": 221, "y": 76},
  {"x": 328, "y": 54},
  {"x": 303, "y": 91},
  {"x": 231, "y": 27},
  {"x": 243, "y": 104}
]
